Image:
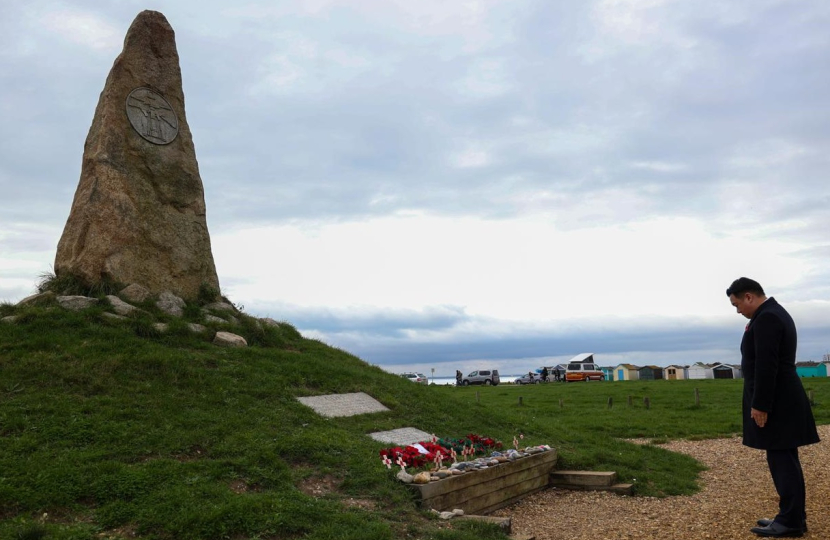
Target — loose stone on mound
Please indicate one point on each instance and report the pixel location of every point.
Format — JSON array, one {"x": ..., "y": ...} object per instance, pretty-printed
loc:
[
  {"x": 138, "y": 215},
  {"x": 11, "y": 319},
  {"x": 76, "y": 303},
  {"x": 422, "y": 477},
  {"x": 227, "y": 339},
  {"x": 196, "y": 328},
  {"x": 215, "y": 319},
  {"x": 404, "y": 477}
]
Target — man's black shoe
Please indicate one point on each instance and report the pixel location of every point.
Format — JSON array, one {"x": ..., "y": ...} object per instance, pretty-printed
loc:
[
  {"x": 776, "y": 530},
  {"x": 765, "y": 522}
]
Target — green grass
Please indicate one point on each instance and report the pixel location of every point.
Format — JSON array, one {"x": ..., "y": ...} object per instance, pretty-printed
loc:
[{"x": 114, "y": 430}]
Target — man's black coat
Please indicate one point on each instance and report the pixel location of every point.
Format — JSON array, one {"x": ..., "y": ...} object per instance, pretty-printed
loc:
[{"x": 771, "y": 383}]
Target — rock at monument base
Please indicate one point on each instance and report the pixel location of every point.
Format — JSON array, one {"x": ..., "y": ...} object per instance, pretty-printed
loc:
[
  {"x": 135, "y": 293},
  {"x": 114, "y": 317},
  {"x": 215, "y": 319},
  {"x": 196, "y": 328},
  {"x": 171, "y": 304},
  {"x": 76, "y": 303},
  {"x": 11, "y": 319},
  {"x": 227, "y": 339},
  {"x": 220, "y": 306},
  {"x": 37, "y": 298},
  {"x": 160, "y": 327},
  {"x": 121, "y": 307},
  {"x": 138, "y": 215}
]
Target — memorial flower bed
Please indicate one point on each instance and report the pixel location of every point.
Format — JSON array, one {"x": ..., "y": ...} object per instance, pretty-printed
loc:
[{"x": 437, "y": 450}]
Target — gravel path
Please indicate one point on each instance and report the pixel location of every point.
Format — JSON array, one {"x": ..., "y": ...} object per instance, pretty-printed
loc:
[{"x": 736, "y": 490}]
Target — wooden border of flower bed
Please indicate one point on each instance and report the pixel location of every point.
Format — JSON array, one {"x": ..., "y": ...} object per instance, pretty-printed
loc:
[{"x": 483, "y": 491}]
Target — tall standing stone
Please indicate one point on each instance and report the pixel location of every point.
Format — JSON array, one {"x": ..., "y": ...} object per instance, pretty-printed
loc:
[{"x": 139, "y": 210}]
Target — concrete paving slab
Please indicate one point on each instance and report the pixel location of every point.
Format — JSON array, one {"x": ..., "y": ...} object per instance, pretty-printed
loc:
[
  {"x": 333, "y": 405},
  {"x": 402, "y": 436}
]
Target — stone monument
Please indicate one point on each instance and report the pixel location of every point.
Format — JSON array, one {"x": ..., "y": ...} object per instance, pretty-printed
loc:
[{"x": 138, "y": 215}]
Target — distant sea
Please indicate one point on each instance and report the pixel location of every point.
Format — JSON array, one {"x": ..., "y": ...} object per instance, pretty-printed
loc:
[{"x": 451, "y": 380}]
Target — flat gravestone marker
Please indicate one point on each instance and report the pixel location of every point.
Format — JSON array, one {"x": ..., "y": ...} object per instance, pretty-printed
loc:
[
  {"x": 343, "y": 404},
  {"x": 402, "y": 436}
]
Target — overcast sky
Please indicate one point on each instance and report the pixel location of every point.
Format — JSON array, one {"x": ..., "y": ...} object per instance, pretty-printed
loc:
[{"x": 465, "y": 184}]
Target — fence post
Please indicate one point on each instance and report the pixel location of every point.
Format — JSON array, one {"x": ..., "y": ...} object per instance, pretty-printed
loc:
[
  {"x": 646, "y": 402},
  {"x": 610, "y": 402},
  {"x": 561, "y": 405},
  {"x": 810, "y": 397},
  {"x": 520, "y": 401},
  {"x": 478, "y": 397},
  {"x": 697, "y": 397},
  {"x": 630, "y": 400}
]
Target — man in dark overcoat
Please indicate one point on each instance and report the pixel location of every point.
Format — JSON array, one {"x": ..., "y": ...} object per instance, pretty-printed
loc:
[{"x": 776, "y": 412}]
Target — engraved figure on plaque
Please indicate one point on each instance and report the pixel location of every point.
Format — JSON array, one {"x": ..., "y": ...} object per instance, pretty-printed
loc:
[{"x": 152, "y": 116}]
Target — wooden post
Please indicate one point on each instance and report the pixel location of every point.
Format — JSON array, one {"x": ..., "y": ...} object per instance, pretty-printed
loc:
[
  {"x": 478, "y": 397},
  {"x": 610, "y": 402},
  {"x": 561, "y": 405},
  {"x": 697, "y": 397},
  {"x": 810, "y": 397},
  {"x": 520, "y": 401},
  {"x": 646, "y": 402},
  {"x": 630, "y": 400}
]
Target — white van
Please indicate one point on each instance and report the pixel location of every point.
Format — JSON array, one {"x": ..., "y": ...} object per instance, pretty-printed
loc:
[{"x": 583, "y": 371}]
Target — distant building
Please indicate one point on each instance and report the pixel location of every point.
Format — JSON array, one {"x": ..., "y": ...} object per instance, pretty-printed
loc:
[
  {"x": 626, "y": 372},
  {"x": 608, "y": 372},
  {"x": 651, "y": 373},
  {"x": 811, "y": 369},
  {"x": 675, "y": 372},
  {"x": 699, "y": 370},
  {"x": 725, "y": 371}
]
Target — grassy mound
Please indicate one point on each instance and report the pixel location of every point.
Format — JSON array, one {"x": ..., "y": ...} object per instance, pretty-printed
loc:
[{"x": 113, "y": 429}]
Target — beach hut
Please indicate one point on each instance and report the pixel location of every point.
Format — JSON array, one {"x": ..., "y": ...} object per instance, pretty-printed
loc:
[
  {"x": 608, "y": 372},
  {"x": 810, "y": 369},
  {"x": 675, "y": 372},
  {"x": 626, "y": 372},
  {"x": 723, "y": 371},
  {"x": 651, "y": 373},
  {"x": 699, "y": 370}
]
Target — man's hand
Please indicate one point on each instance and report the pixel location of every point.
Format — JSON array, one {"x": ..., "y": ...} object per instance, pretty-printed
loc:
[{"x": 760, "y": 417}]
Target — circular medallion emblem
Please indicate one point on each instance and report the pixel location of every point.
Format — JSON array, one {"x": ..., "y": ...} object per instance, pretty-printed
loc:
[{"x": 152, "y": 116}]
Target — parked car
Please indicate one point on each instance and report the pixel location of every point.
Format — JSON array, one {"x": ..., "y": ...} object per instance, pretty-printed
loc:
[
  {"x": 415, "y": 377},
  {"x": 484, "y": 376},
  {"x": 530, "y": 378},
  {"x": 582, "y": 371}
]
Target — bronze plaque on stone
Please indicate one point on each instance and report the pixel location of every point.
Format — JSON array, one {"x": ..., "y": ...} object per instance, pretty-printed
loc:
[{"x": 152, "y": 116}]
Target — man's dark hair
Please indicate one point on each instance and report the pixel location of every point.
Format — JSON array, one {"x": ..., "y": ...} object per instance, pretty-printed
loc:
[{"x": 745, "y": 285}]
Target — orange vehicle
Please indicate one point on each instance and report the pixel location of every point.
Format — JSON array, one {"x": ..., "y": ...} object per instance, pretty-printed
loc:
[{"x": 583, "y": 371}]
